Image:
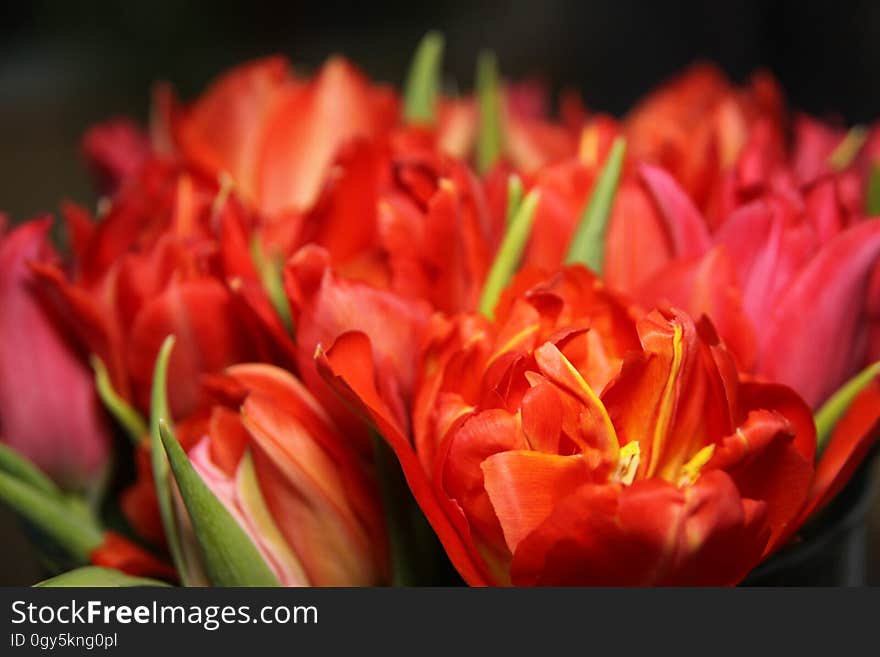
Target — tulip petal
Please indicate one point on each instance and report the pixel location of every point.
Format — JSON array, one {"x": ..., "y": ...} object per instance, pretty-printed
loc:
[
  {"x": 525, "y": 487},
  {"x": 649, "y": 533},
  {"x": 765, "y": 464},
  {"x": 833, "y": 286},
  {"x": 690, "y": 236},
  {"x": 308, "y": 126},
  {"x": 853, "y": 436},
  {"x": 348, "y": 368},
  {"x": 306, "y": 494},
  {"x": 221, "y": 131}
]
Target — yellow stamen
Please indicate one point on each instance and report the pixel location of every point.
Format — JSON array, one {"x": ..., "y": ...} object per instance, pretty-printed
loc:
[
  {"x": 690, "y": 471},
  {"x": 628, "y": 463}
]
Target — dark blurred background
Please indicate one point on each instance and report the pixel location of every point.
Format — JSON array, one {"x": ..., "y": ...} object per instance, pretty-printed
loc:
[{"x": 65, "y": 65}]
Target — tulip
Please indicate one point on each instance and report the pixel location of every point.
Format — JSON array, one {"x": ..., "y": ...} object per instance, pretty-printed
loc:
[
  {"x": 770, "y": 259},
  {"x": 277, "y": 134},
  {"x": 282, "y": 469},
  {"x": 565, "y": 434},
  {"x": 150, "y": 267},
  {"x": 697, "y": 124},
  {"x": 49, "y": 411}
]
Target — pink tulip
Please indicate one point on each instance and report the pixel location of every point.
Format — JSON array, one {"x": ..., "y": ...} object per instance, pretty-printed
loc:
[
  {"x": 49, "y": 410},
  {"x": 786, "y": 278}
]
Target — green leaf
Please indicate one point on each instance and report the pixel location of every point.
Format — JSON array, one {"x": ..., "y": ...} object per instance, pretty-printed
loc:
[
  {"x": 160, "y": 413},
  {"x": 872, "y": 197},
  {"x": 230, "y": 558},
  {"x": 509, "y": 254},
  {"x": 15, "y": 464},
  {"x": 588, "y": 244},
  {"x": 514, "y": 197},
  {"x": 489, "y": 95},
  {"x": 98, "y": 577},
  {"x": 423, "y": 82},
  {"x": 125, "y": 414},
  {"x": 838, "y": 404},
  {"x": 76, "y": 533},
  {"x": 269, "y": 269},
  {"x": 848, "y": 148}
]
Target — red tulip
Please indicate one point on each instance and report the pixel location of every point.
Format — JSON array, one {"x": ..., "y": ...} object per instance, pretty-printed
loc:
[
  {"x": 278, "y": 463},
  {"x": 49, "y": 411},
  {"x": 772, "y": 258},
  {"x": 697, "y": 124},
  {"x": 150, "y": 268},
  {"x": 541, "y": 458},
  {"x": 277, "y": 134}
]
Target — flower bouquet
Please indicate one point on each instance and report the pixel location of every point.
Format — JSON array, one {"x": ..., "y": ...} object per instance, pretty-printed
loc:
[{"x": 321, "y": 332}]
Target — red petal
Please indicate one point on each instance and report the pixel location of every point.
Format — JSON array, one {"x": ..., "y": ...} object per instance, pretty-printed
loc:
[
  {"x": 833, "y": 286},
  {"x": 853, "y": 437},
  {"x": 649, "y": 533},
  {"x": 348, "y": 368},
  {"x": 525, "y": 487},
  {"x": 223, "y": 130},
  {"x": 308, "y": 127}
]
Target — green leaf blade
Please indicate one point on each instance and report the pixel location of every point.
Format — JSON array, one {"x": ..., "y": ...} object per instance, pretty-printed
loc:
[
  {"x": 489, "y": 142},
  {"x": 77, "y": 534},
  {"x": 838, "y": 404},
  {"x": 872, "y": 197},
  {"x": 509, "y": 254},
  {"x": 19, "y": 467},
  {"x": 97, "y": 576},
  {"x": 160, "y": 413},
  {"x": 423, "y": 82},
  {"x": 588, "y": 245},
  {"x": 269, "y": 270},
  {"x": 125, "y": 414},
  {"x": 230, "y": 557}
]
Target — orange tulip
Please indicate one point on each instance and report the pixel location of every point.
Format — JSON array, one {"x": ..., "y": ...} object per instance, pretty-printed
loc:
[{"x": 566, "y": 443}]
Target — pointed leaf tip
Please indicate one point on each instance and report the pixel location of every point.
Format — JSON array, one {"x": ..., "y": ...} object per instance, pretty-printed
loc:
[
  {"x": 123, "y": 412},
  {"x": 588, "y": 244},
  {"x": 160, "y": 413},
  {"x": 230, "y": 557},
  {"x": 489, "y": 143},
  {"x": 423, "y": 83},
  {"x": 269, "y": 270},
  {"x": 848, "y": 148},
  {"x": 838, "y": 404}
]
